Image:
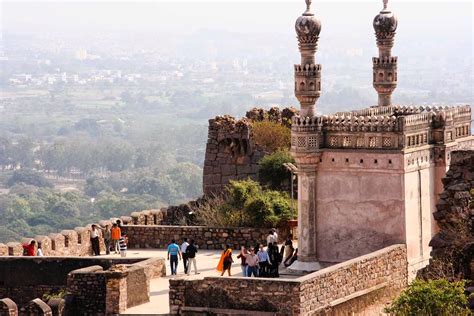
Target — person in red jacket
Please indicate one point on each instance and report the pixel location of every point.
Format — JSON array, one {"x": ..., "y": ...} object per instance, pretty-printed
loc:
[{"x": 29, "y": 249}]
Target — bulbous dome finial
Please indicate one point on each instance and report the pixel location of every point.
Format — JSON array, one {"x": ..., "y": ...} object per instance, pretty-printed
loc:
[
  {"x": 307, "y": 25},
  {"x": 385, "y": 23}
]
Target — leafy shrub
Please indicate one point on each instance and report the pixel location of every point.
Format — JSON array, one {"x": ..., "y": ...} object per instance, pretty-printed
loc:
[
  {"x": 432, "y": 297},
  {"x": 240, "y": 192},
  {"x": 245, "y": 204},
  {"x": 272, "y": 171},
  {"x": 270, "y": 135}
]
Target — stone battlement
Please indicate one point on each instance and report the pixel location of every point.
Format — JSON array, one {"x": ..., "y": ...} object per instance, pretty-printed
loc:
[
  {"x": 308, "y": 69},
  {"x": 380, "y": 61}
]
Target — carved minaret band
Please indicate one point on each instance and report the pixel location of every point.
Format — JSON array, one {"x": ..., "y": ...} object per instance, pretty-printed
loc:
[
  {"x": 308, "y": 73},
  {"x": 385, "y": 66}
]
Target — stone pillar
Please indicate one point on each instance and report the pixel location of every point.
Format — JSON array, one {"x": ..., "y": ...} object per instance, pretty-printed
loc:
[{"x": 307, "y": 249}]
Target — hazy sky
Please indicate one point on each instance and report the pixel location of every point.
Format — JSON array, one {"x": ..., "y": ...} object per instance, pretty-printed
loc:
[
  {"x": 245, "y": 15},
  {"x": 430, "y": 34}
]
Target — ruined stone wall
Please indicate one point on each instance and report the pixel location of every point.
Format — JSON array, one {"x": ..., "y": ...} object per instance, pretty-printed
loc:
[
  {"x": 453, "y": 244},
  {"x": 326, "y": 291},
  {"x": 141, "y": 236},
  {"x": 231, "y": 152}
]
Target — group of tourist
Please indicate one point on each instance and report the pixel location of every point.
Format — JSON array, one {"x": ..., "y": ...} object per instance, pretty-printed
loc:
[
  {"x": 255, "y": 261},
  {"x": 187, "y": 252},
  {"x": 113, "y": 238},
  {"x": 260, "y": 262}
]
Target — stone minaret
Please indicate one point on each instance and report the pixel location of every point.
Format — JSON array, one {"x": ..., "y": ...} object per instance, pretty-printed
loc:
[
  {"x": 308, "y": 73},
  {"x": 306, "y": 139},
  {"x": 385, "y": 66}
]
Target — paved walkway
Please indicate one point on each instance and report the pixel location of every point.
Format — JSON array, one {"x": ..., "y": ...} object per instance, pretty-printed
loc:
[{"x": 206, "y": 263}]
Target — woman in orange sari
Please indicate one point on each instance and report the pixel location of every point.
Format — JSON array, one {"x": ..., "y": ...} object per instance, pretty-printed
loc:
[{"x": 225, "y": 263}]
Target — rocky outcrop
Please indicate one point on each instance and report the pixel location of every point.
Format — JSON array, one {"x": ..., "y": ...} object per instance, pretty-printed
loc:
[{"x": 453, "y": 245}]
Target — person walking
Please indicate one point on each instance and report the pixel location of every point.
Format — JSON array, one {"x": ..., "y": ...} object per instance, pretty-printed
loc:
[
  {"x": 29, "y": 249},
  {"x": 252, "y": 263},
  {"x": 225, "y": 263},
  {"x": 173, "y": 254},
  {"x": 123, "y": 246},
  {"x": 107, "y": 238},
  {"x": 263, "y": 262},
  {"x": 95, "y": 240},
  {"x": 184, "y": 246},
  {"x": 191, "y": 251},
  {"x": 116, "y": 234},
  {"x": 243, "y": 258}
]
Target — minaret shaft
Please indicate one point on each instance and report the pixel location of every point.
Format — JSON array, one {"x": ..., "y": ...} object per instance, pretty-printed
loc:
[{"x": 385, "y": 66}]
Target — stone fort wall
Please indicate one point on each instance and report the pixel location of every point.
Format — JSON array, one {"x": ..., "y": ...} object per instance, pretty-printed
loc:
[
  {"x": 338, "y": 290},
  {"x": 144, "y": 229},
  {"x": 231, "y": 151}
]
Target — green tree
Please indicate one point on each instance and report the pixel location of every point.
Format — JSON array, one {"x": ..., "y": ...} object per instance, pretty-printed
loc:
[
  {"x": 95, "y": 185},
  {"x": 27, "y": 176},
  {"x": 272, "y": 136},
  {"x": 241, "y": 192},
  {"x": 272, "y": 171}
]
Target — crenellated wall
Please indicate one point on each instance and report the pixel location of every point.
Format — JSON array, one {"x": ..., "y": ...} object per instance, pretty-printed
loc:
[{"x": 76, "y": 242}]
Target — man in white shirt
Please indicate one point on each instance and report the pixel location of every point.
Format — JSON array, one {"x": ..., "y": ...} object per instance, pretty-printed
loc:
[
  {"x": 275, "y": 236},
  {"x": 184, "y": 246},
  {"x": 270, "y": 237}
]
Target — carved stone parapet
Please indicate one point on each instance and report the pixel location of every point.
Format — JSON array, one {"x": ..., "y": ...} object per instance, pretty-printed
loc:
[
  {"x": 306, "y": 135},
  {"x": 306, "y": 142}
]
